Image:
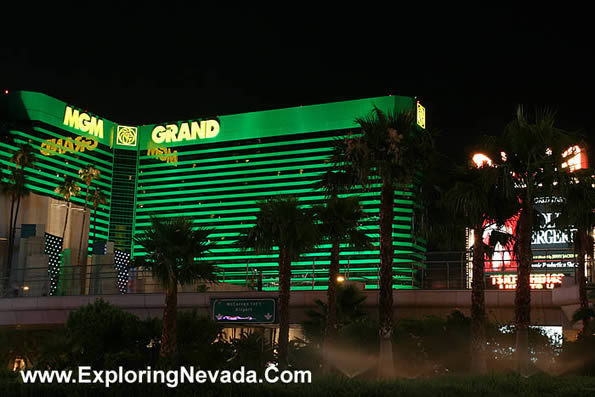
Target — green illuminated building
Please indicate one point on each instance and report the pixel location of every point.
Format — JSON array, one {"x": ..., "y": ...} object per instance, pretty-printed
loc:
[{"x": 213, "y": 170}]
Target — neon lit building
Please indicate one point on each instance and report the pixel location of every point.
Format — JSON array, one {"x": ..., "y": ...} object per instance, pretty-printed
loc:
[
  {"x": 553, "y": 255},
  {"x": 213, "y": 170}
]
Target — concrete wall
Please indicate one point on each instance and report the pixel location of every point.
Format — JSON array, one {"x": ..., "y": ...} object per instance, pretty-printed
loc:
[
  {"x": 547, "y": 307},
  {"x": 41, "y": 210}
]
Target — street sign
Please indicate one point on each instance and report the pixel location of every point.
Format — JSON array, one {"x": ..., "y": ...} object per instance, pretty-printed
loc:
[{"x": 245, "y": 311}]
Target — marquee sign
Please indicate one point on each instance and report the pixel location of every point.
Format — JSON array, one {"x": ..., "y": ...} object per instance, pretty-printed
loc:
[
  {"x": 551, "y": 247},
  {"x": 536, "y": 280}
]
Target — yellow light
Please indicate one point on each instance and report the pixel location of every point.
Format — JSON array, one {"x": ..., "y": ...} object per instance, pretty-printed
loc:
[
  {"x": 19, "y": 364},
  {"x": 26, "y": 288},
  {"x": 421, "y": 115},
  {"x": 481, "y": 159},
  {"x": 340, "y": 279}
]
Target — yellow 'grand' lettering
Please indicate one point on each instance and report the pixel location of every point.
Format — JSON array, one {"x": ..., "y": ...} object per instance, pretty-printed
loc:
[
  {"x": 157, "y": 134},
  {"x": 198, "y": 129},
  {"x": 184, "y": 134},
  {"x": 83, "y": 122},
  {"x": 54, "y": 146},
  {"x": 212, "y": 128},
  {"x": 187, "y": 131},
  {"x": 170, "y": 133}
]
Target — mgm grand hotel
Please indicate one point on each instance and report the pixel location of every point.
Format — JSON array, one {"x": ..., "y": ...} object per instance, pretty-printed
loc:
[{"x": 213, "y": 170}]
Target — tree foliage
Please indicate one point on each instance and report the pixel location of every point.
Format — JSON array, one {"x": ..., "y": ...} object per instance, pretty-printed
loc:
[
  {"x": 281, "y": 222},
  {"x": 389, "y": 147},
  {"x": 175, "y": 250}
]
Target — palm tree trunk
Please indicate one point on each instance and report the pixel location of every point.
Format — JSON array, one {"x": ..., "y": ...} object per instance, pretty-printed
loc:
[
  {"x": 284, "y": 290},
  {"x": 94, "y": 222},
  {"x": 14, "y": 231},
  {"x": 523, "y": 288},
  {"x": 331, "y": 312},
  {"x": 583, "y": 241},
  {"x": 168, "y": 334},
  {"x": 10, "y": 248},
  {"x": 65, "y": 223},
  {"x": 386, "y": 361},
  {"x": 478, "y": 312},
  {"x": 83, "y": 258}
]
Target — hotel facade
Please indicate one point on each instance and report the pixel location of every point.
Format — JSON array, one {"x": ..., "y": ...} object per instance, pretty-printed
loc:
[{"x": 211, "y": 169}]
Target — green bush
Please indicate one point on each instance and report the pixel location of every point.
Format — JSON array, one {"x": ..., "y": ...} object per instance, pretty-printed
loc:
[
  {"x": 250, "y": 350},
  {"x": 27, "y": 344},
  {"x": 349, "y": 310},
  {"x": 103, "y": 336},
  {"x": 578, "y": 357},
  {"x": 200, "y": 342}
]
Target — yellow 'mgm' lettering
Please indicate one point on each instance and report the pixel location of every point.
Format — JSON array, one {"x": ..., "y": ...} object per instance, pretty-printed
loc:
[
  {"x": 188, "y": 131},
  {"x": 83, "y": 121}
]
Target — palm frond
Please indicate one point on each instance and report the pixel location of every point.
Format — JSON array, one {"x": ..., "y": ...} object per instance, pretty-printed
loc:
[
  {"x": 281, "y": 222},
  {"x": 175, "y": 250}
]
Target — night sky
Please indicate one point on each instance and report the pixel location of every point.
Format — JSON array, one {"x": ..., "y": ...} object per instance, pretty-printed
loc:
[{"x": 469, "y": 72}]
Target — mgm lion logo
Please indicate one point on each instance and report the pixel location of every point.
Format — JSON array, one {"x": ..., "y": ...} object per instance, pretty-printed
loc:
[{"x": 126, "y": 136}]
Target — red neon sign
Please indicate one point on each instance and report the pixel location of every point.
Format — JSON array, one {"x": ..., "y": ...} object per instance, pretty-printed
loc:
[{"x": 536, "y": 281}]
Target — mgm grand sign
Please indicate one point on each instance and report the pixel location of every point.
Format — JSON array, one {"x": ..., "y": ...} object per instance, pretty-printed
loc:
[{"x": 186, "y": 131}]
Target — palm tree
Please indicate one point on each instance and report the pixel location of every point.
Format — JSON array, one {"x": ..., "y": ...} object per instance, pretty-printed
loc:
[
  {"x": 577, "y": 217},
  {"x": 531, "y": 160},
  {"x": 474, "y": 199},
  {"x": 17, "y": 190},
  {"x": 23, "y": 157},
  {"x": 87, "y": 174},
  {"x": 339, "y": 220},
  {"x": 390, "y": 151},
  {"x": 281, "y": 223},
  {"x": 175, "y": 249},
  {"x": 97, "y": 198},
  {"x": 67, "y": 190}
]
